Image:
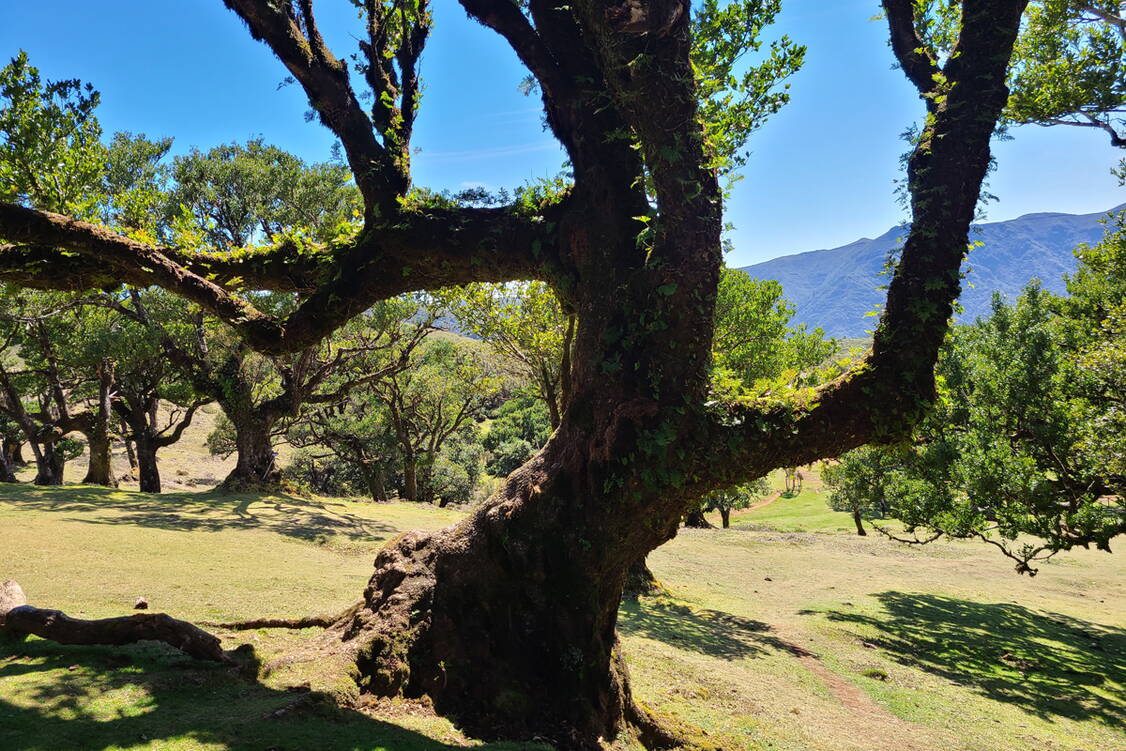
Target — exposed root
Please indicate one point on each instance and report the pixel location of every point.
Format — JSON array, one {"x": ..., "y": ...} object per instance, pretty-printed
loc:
[
  {"x": 18, "y": 619},
  {"x": 312, "y": 621}
]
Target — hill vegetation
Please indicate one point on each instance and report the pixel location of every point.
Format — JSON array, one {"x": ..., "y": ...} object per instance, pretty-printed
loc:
[{"x": 835, "y": 289}]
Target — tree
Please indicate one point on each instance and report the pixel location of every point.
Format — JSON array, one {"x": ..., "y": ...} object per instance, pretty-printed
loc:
[
  {"x": 506, "y": 620},
  {"x": 524, "y": 323},
  {"x": 51, "y": 155},
  {"x": 356, "y": 432},
  {"x": 55, "y": 391},
  {"x": 1070, "y": 66},
  {"x": 1017, "y": 452},
  {"x": 753, "y": 337},
  {"x": 446, "y": 389},
  {"x": 858, "y": 483},
  {"x": 234, "y": 193},
  {"x": 737, "y": 497},
  {"x": 519, "y": 427}
]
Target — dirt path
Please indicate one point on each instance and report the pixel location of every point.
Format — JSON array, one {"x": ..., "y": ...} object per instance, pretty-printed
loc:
[
  {"x": 764, "y": 502},
  {"x": 877, "y": 729}
]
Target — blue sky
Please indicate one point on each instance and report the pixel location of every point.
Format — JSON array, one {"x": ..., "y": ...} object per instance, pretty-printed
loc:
[{"x": 821, "y": 173}]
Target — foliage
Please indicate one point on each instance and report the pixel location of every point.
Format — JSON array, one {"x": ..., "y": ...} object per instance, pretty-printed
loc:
[
  {"x": 736, "y": 98},
  {"x": 754, "y": 348},
  {"x": 1069, "y": 66},
  {"x": 51, "y": 156},
  {"x": 237, "y": 194},
  {"x": 858, "y": 482},
  {"x": 1023, "y": 448},
  {"x": 135, "y": 185},
  {"x": 447, "y": 389},
  {"x": 731, "y": 499},
  {"x": 517, "y": 429},
  {"x": 524, "y": 323}
]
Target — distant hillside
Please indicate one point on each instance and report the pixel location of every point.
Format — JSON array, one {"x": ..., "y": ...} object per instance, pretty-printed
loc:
[{"x": 835, "y": 288}]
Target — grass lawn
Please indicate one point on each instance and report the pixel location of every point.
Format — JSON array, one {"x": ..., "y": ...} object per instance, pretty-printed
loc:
[{"x": 781, "y": 633}]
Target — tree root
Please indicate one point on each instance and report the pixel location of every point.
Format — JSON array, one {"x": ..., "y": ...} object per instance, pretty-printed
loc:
[
  {"x": 18, "y": 619},
  {"x": 312, "y": 621}
]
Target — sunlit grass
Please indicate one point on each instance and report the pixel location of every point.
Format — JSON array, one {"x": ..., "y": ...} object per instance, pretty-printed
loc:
[{"x": 769, "y": 637}]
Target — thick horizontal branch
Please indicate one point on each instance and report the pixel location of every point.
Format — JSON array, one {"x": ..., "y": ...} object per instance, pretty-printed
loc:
[
  {"x": 135, "y": 262},
  {"x": 424, "y": 249}
]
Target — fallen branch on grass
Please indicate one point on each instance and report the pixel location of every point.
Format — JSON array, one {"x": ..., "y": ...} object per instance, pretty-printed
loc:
[{"x": 19, "y": 619}]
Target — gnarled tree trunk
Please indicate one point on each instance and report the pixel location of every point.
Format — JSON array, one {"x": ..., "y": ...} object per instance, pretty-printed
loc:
[
  {"x": 857, "y": 519},
  {"x": 374, "y": 479},
  {"x": 148, "y": 470},
  {"x": 12, "y": 449},
  {"x": 98, "y": 439},
  {"x": 7, "y": 472},
  {"x": 49, "y": 463},
  {"x": 256, "y": 462},
  {"x": 696, "y": 520},
  {"x": 640, "y": 580}
]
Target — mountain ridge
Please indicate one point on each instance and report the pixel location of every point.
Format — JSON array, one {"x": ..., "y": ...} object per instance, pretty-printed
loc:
[{"x": 835, "y": 287}]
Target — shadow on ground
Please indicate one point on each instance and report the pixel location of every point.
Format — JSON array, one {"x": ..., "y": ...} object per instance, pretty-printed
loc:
[
  {"x": 212, "y": 511},
  {"x": 709, "y": 632},
  {"x": 1047, "y": 664},
  {"x": 147, "y": 696}
]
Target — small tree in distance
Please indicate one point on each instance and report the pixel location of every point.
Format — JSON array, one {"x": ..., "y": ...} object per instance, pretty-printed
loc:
[{"x": 737, "y": 497}]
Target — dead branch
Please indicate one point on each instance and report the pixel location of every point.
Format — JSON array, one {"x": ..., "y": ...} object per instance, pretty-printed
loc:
[{"x": 17, "y": 618}]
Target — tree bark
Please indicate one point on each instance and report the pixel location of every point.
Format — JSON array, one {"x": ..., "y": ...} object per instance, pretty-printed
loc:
[
  {"x": 257, "y": 462},
  {"x": 130, "y": 450},
  {"x": 856, "y": 518},
  {"x": 725, "y": 515},
  {"x": 148, "y": 471},
  {"x": 373, "y": 478},
  {"x": 18, "y": 619},
  {"x": 696, "y": 520},
  {"x": 7, "y": 473},
  {"x": 640, "y": 580},
  {"x": 98, "y": 440},
  {"x": 410, "y": 476},
  {"x": 13, "y": 452},
  {"x": 49, "y": 464}
]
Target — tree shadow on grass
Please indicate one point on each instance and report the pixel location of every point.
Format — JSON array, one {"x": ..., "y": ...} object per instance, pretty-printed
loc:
[
  {"x": 56, "y": 697},
  {"x": 709, "y": 632},
  {"x": 213, "y": 511},
  {"x": 1048, "y": 664}
]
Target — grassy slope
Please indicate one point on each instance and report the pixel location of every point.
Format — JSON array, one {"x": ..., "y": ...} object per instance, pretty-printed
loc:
[{"x": 765, "y": 639}]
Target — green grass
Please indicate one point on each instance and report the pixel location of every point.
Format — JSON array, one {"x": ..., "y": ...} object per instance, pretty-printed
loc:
[
  {"x": 770, "y": 637},
  {"x": 804, "y": 512}
]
